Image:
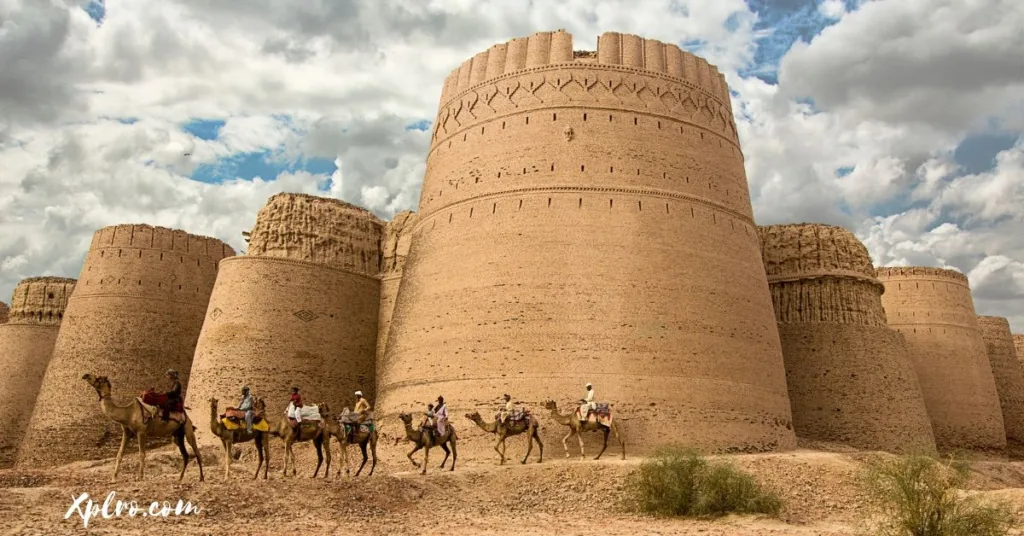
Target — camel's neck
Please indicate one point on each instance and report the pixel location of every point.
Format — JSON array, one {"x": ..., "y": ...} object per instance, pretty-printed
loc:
[
  {"x": 410, "y": 433},
  {"x": 562, "y": 419},
  {"x": 118, "y": 414},
  {"x": 215, "y": 424},
  {"x": 491, "y": 427}
]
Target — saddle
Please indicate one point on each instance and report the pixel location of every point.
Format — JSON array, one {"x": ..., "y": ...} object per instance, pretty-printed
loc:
[
  {"x": 151, "y": 411},
  {"x": 602, "y": 413},
  {"x": 238, "y": 417},
  {"x": 515, "y": 416}
]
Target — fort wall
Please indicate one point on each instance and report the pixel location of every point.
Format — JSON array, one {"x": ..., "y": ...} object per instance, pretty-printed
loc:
[
  {"x": 300, "y": 309},
  {"x": 395, "y": 249},
  {"x": 3, "y": 312},
  {"x": 136, "y": 311},
  {"x": 1018, "y": 343},
  {"x": 933, "y": 309},
  {"x": 587, "y": 218},
  {"x": 1008, "y": 373},
  {"x": 26, "y": 346},
  {"x": 849, "y": 376}
]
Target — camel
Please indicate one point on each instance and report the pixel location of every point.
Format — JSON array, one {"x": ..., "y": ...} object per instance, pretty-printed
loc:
[
  {"x": 425, "y": 440},
  {"x": 284, "y": 430},
  {"x": 577, "y": 428},
  {"x": 359, "y": 437},
  {"x": 131, "y": 419},
  {"x": 511, "y": 428},
  {"x": 229, "y": 437}
]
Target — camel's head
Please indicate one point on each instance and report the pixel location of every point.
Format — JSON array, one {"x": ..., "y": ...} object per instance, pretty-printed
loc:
[
  {"x": 550, "y": 405},
  {"x": 325, "y": 411},
  {"x": 475, "y": 416},
  {"x": 100, "y": 383},
  {"x": 260, "y": 405},
  {"x": 213, "y": 402},
  {"x": 406, "y": 418}
]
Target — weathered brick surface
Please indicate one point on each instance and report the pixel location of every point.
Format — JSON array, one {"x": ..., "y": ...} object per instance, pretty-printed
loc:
[
  {"x": 136, "y": 311},
  {"x": 849, "y": 376},
  {"x": 934, "y": 310},
  {"x": 587, "y": 218},
  {"x": 1008, "y": 373},
  {"x": 26, "y": 346}
]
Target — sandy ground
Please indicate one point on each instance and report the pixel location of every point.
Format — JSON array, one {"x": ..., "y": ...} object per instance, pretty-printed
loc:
[{"x": 558, "y": 496}]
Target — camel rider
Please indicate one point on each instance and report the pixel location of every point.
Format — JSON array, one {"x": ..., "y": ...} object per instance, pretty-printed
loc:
[
  {"x": 587, "y": 403},
  {"x": 246, "y": 406},
  {"x": 362, "y": 406},
  {"x": 296, "y": 401},
  {"x": 441, "y": 411},
  {"x": 506, "y": 411},
  {"x": 428, "y": 418},
  {"x": 173, "y": 395}
]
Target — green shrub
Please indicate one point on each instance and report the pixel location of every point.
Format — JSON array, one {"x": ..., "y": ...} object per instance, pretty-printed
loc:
[
  {"x": 680, "y": 482},
  {"x": 919, "y": 496}
]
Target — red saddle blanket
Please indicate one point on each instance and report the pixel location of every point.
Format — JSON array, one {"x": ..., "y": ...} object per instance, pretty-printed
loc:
[
  {"x": 159, "y": 400},
  {"x": 233, "y": 414}
]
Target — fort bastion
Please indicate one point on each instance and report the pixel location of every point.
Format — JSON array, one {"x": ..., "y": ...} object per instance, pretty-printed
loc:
[
  {"x": 1008, "y": 374},
  {"x": 26, "y": 346},
  {"x": 299, "y": 309},
  {"x": 136, "y": 311},
  {"x": 933, "y": 309},
  {"x": 586, "y": 217},
  {"x": 849, "y": 376},
  {"x": 1018, "y": 343},
  {"x": 395, "y": 249},
  {"x": 3, "y": 312}
]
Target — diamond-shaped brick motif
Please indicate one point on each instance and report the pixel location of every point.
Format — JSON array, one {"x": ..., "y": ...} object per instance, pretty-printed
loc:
[
  {"x": 215, "y": 313},
  {"x": 306, "y": 315}
]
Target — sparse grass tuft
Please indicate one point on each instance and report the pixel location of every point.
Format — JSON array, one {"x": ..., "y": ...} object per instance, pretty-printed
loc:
[
  {"x": 919, "y": 496},
  {"x": 680, "y": 482}
]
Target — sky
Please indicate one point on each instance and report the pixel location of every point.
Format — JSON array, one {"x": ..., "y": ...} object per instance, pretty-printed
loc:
[{"x": 901, "y": 120}]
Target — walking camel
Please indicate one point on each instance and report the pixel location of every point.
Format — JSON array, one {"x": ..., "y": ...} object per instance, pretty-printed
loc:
[
  {"x": 229, "y": 437},
  {"x": 527, "y": 424},
  {"x": 306, "y": 433},
  {"x": 426, "y": 440},
  {"x": 135, "y": 423},
  {"x": 576, "y": 427},
  {"x": 358, "y": 436}
]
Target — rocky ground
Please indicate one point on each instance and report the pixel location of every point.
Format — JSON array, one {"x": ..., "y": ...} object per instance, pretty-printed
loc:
[{"x": 559, "y": 496}]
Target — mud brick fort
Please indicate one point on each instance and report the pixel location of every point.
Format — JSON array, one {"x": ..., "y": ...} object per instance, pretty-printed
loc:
[{"x": 584, "y": 217}]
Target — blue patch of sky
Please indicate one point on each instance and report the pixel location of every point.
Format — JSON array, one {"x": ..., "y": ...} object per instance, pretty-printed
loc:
[
  {"x": 96, "y": 9},
  {"x": 264, "y": 164},
  {"x": 844, "y": 171},
  {"x": 422, "y": 125},
  {"x": 204, "y": 129},
  {"x": 977, "y": 153},
  {"x": 782, "y": 23}
]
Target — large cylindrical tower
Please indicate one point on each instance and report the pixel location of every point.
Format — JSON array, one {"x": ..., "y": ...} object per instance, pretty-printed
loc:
[
  {"x": 299, "y": 309},
  {"x": 3, "y": 312},
  {"x": 395, "y": 249},
  {"x": 933, "y": 309},
  {"x": 1018, "y": 343},
  {"x": 586, "y": 217},
  {"x": 1008, "y": 373},
  {"x": 136, "y": 311},
  {"x": 26, "y": 345},
  {"x": 850, "y": 379}
]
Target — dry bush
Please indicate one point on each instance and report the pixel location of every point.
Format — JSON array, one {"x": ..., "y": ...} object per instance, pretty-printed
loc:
[
  {"x": 680, "y": 482},
  {"x": 919, "y": 495}
]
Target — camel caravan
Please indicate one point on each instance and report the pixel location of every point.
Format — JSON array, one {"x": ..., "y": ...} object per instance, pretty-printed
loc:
[{"x": 162, "y": 414}]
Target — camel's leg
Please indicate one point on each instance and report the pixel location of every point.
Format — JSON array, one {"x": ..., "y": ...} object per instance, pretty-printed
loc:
[
  {"x": 141, "y": 437},
  {"x": 579, "y": 435},
  {"x": 497, "y": 448},
  {"x": 455, "y": 454},
  {"x": 190, "y": 436},
  {"x": 529, "y": 443},
  {"x": 120, "y": 452},
  {"x": 618, "y": 436},
  {"x": 605, "y": 445},
  {"x": 362, "y": 448},
  {"x": 566, "y": 438},
  {"x": 426, "y": 460},
  {"x": 226, "y": 445},
  {"x": 413, "y": 451},
  {"x": 540, "y": 444},
  {"x": 287, "y": 455},
  {"x": 258, "y": 440},
  {"x": 447, "y": 452},
  {"x": 179, "y": 440},
  {"x": 318, "y": 444},
  {"x": 373, "y": 451}
]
